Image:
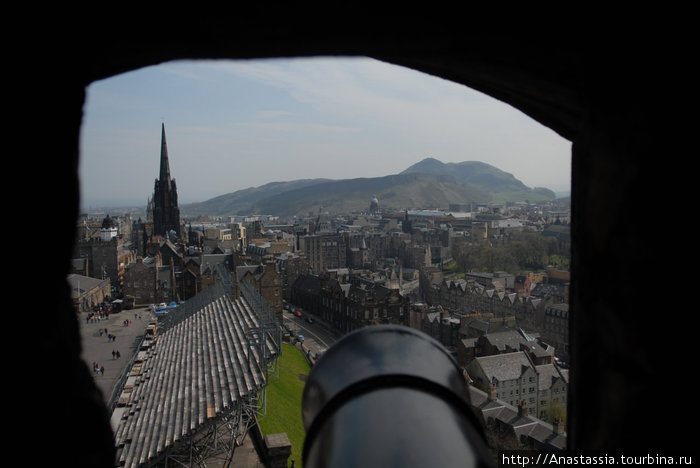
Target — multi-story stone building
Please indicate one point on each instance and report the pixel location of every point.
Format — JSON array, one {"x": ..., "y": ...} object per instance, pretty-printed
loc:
[
  {"x": 325, "y": 251},
  {"x": 349, "y": 304},
  {"x": 239, "y": 235},
  {"x": 103, "y": 252},
  {"x": 516, "y": 379},
  {"x": 414, "y": 255},
  {"x": 555, "y": 328},
  {"x": 443, "y": 326},
  {"x": 290, "y": 265},
  {"x": 266, "y": 280},
  {"x": 440, "y": 238},
  {"x": 149, "y": 281},
  {"x": 513, "y": 375},
  {"x": 219, "y": 233}
]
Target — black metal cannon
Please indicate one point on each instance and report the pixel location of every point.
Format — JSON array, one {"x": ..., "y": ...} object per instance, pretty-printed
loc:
[{"x": 387, "y": 396}]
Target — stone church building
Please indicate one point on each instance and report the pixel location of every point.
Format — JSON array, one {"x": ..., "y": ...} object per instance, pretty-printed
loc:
[{"x": 166, "y": 213}]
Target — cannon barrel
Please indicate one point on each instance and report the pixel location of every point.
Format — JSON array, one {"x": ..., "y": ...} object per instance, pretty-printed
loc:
[{"x": 387, "y": 396}]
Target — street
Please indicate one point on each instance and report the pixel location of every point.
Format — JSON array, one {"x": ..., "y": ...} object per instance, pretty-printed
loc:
[
  {"x": 317, "y": 336},
  {"x": 101, "y": 338}
]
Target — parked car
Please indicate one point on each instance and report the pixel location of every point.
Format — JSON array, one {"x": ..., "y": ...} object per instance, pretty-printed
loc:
[
  {"x": 297, "y": 313},
  {"x": 300, "y": 338}
]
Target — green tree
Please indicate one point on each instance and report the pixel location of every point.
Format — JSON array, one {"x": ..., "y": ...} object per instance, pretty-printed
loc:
[
  {"x": 529, "y": 250},
  {"x": 496, "y": 258},
  {"x": 467, "y": 257}
]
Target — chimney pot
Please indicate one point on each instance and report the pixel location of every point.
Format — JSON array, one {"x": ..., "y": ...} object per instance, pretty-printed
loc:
[{"x": 522, "y": 408}]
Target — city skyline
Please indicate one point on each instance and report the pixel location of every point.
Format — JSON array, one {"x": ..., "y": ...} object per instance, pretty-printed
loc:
[{"x": 231, "y": 125}]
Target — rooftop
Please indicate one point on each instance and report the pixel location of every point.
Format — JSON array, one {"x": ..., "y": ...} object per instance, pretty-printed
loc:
[{"x": 207, "y": 366}]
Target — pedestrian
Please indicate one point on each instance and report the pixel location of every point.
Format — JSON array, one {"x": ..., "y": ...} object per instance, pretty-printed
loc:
[
  {"x": 118, "y": 355},
  {"x": 114, "y": 354},
  {"x": 102, "y": 370}
]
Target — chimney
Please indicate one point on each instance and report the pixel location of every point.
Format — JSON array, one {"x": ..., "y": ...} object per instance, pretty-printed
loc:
[
  {"x": 522, "y": 408},
  {"x": 492, "y": 392},
  {"x": 558, "y": 426}
]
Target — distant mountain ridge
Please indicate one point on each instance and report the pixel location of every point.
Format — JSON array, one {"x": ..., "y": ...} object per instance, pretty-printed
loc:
[
  {"x": 429, "y": 183},
  {"x": 244, "y": 201}
]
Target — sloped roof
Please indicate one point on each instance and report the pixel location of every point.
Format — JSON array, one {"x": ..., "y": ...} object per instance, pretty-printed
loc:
[
  {"x": 501, "y": 339},
  {"x": 80, "y": 284},
  {"x": 504, "y": 367},
  {"x": 480, "y": 325},
  {"x": 201, "y": 368}
]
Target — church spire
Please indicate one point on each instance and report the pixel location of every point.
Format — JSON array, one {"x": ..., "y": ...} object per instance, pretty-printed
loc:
[
  {"x": 164, "y": 164},
  {"x": 166, "y": 214}
]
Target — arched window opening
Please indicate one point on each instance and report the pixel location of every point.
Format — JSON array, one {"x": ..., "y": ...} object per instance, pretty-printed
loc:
[{"x": 344, "y": 179}]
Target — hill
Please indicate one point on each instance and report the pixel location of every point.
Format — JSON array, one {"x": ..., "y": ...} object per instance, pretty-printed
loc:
[
  {"x": 427, "y": 184},
  {"x": 501, "y": 185},
  {"x": 398, "y": 192},
  {"x": 243, "y": 201}
]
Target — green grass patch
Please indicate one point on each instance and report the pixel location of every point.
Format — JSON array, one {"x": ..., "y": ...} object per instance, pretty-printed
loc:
[
  {"x": 284, "y": 400},
  {"x": 559, "y": 261},
  {"x": 450, "y": 267}
]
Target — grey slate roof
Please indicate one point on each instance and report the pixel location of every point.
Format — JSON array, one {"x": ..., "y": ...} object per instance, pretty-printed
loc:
[
  {"x": 480, "y": 325},
  {"x": 549, "y": 373},
  {"x": 530, "y": 431},
  {"x": 79, "y": 284},
  {"x": 201, "y": 368},
  {"x": 504, "y": 366},
  {"x": 503, "y": 338}
]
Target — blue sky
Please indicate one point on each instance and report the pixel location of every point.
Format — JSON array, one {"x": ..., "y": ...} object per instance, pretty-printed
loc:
[{"x": 231, "y": 125}]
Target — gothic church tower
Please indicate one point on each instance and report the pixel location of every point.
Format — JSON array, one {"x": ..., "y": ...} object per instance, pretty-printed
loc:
[{"x": 166, "y": 214}]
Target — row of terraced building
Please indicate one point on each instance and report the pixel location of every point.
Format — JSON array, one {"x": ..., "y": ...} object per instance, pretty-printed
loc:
[{"x": 539, "y": 305}]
